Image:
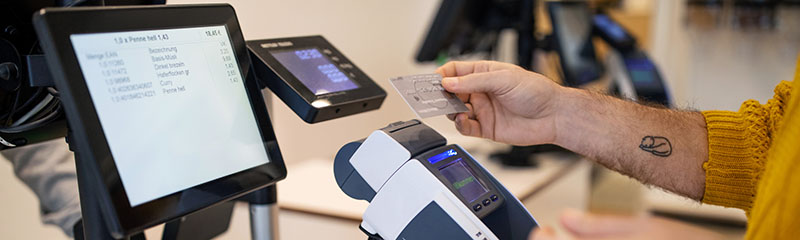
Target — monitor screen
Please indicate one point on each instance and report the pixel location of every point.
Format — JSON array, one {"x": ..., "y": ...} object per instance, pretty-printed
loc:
[
  {"x": 573, "y": 32},
  {"x": 463, "y": 180},
  {"x": 172, "y": 105},
  {"x": 314, "y": 70}
]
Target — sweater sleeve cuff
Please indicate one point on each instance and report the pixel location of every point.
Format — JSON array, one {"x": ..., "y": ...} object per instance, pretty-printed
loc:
[{"x": 732, "y": 169}]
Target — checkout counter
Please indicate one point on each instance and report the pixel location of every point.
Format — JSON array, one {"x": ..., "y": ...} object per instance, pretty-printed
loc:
[{"x": 326, "y": 210}]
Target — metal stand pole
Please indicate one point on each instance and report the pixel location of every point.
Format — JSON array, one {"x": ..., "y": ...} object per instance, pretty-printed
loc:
[
  {"x": 92, "y": 225},
  {"x": 264, "y": 213}
]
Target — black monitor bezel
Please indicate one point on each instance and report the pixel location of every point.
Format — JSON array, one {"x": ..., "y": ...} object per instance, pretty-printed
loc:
[
  {"x": 569, "y": 73},
  {"x": 54, "y": 27}
]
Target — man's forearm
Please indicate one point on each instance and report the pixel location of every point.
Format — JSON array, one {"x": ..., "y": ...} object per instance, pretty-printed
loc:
[{"x": 657, "y": 146}]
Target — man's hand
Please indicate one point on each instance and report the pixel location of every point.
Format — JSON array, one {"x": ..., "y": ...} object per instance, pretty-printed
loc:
[
  {"x": 587, "y": 226},
  {"x": 507, "y": 103}
]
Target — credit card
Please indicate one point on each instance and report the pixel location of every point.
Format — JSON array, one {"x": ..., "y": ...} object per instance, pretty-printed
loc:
[{"x": 426, "y": 96}]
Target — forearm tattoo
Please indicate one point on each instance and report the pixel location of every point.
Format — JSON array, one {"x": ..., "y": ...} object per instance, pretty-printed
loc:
[{"x": 659, "y": 146}]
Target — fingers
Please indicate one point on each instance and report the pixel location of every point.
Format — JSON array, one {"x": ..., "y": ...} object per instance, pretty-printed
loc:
[
  {"x": 467, "y": 126},
  {"x": 464, "y": 97},
  {"x": 496, "y": 82},
  {"x": 459, "y": 68},
  {"x": 470, "y": 113},
  {"x": 588, "y": 225}
]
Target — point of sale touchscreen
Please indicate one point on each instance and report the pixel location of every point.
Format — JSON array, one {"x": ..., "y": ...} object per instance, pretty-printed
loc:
[{"x": 173, "y": 107}]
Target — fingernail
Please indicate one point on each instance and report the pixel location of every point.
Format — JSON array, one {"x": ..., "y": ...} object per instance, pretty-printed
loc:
[{"x": 449, "y": 82}]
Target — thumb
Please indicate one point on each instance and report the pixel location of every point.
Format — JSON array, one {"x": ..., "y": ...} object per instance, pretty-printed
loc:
[
  {"x": 588, "y": 225},
  {"x": 496, "y": 82}
]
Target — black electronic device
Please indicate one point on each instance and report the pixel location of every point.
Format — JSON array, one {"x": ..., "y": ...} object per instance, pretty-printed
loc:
[
  {"x": 165, "y": 116},
  {"x": 458, "y": 170},
  {"x": 640, "y": 77},
  {"x": 421, "y": 187},
  {"x": 572, "y": 39},
  {"x": 472, "y": 26},
  {"x": 644, "y": 78},
  {"x": 313, "y": 78},
  {"x": 612, "y": 33}
]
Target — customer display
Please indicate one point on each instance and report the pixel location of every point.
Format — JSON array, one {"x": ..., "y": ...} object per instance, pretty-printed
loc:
[{"x": 313, "y": 78}]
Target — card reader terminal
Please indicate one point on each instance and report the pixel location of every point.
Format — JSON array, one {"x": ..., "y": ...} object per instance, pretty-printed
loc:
[
  {"x": 313, "y": 78},
  {"x": 419, "y": 187}
]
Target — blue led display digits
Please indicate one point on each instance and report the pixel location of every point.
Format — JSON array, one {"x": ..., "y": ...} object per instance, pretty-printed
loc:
[
  {"x": 308, "y": 54},
  {"x": 333, "y": 73},
  {"x": 314, "y": 70},
  {"x": 442, "y": 156}
]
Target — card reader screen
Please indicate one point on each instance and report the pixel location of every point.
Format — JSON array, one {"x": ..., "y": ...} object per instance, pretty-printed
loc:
[
  {"x": 314, "y": 70},
  {"x": 172, "y": 106},
  {"x": 463, "y": 180}
]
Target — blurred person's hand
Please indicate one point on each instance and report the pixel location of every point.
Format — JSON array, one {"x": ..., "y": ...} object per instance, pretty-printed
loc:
[
  {"x": 507, "y": 103},
  {"x": 580, "y": 225}
]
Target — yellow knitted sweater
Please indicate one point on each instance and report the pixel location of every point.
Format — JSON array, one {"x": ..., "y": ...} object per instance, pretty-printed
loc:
[{"x": 754, "y": 162}]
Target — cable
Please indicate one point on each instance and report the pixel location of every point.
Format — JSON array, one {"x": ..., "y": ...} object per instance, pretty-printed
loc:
[
  {"x": 35, "y": 124},
  {"x": 6, "y": 143},
  {"x": 13, "y": 108},
  {"x": 50, "y": 107},
  {"x": 53, "y": 91},
  {"x": 33, "y": 110},
  {"x": 28, "y": 102}
]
